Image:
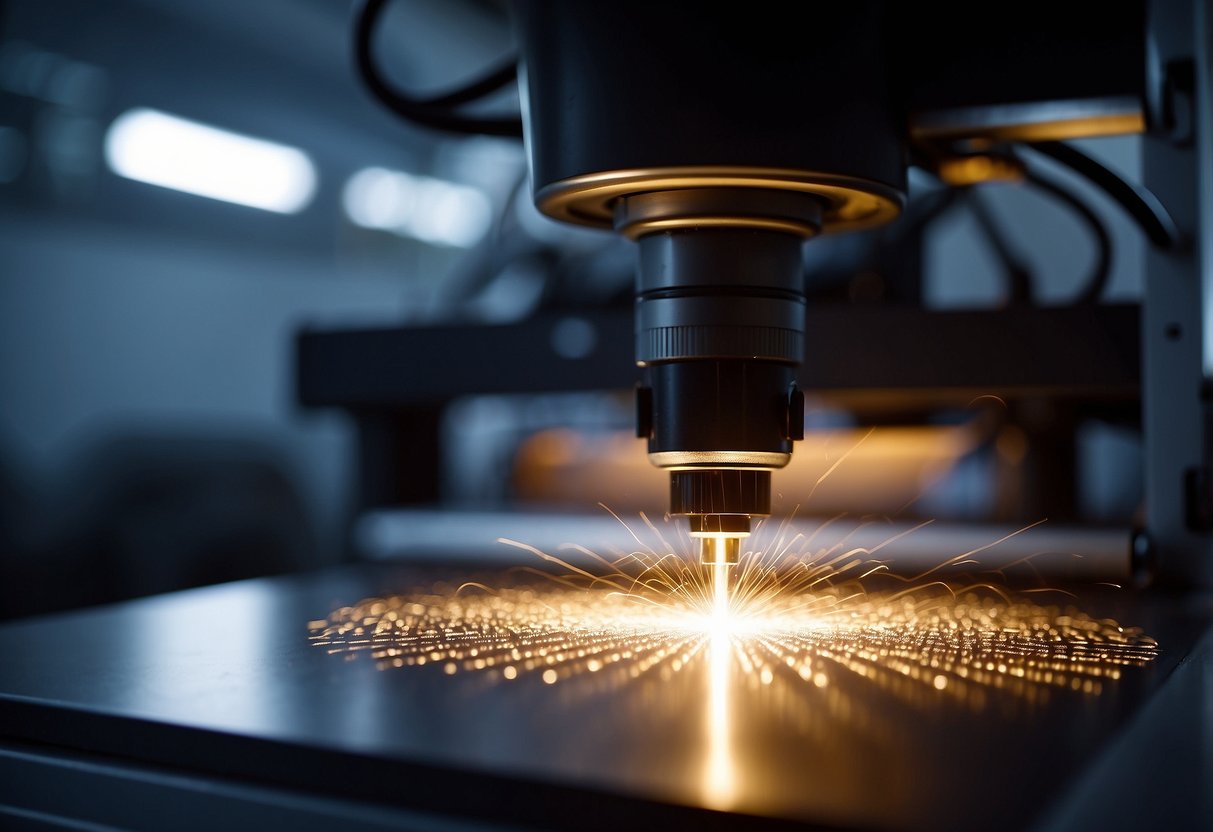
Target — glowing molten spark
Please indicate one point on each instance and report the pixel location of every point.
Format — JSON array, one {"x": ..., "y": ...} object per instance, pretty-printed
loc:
[{"x": 798, "y": 619}]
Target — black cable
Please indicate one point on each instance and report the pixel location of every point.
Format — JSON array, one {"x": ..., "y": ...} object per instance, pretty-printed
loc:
[
  {"x": 1101, "y": 271},
  {"x": 1019, "y": 276},
  {"x": 435, "y": 112},
  {"x": 920, "y": 214},
  {"x": 1138, "y": 202}
]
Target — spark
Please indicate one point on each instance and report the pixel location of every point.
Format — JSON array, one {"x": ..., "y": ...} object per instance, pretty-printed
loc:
[
  {"x": 999, "y": 399},
  {"x": 804, "y": 618},
  {"x": 838, "y": 462},
  {"x": 813, "y": 633}
]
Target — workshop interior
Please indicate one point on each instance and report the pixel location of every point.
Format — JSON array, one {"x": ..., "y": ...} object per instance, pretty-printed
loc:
[{"x": 524, "y": 414}]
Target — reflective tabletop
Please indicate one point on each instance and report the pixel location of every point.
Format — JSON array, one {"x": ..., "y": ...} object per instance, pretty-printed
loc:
[{"x": 557, "y": 700}]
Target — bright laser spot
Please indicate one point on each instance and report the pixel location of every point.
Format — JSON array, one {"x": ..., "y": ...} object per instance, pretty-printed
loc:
[
  {"x": 932, "y": 641},
  {"x": 720, "y": 597},
  {"x": 719, "y": 777},
  {"x": 720, "y": 581},
  {"x": 790, "y": 628},
  {"x": 803, "y": 625}
]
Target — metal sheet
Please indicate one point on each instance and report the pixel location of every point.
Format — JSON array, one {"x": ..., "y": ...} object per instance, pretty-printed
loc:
[{"x": 225, "y": 681}]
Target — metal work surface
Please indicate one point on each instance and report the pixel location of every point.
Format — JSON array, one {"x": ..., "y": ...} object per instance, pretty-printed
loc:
[{"x": 497, "y": 706}]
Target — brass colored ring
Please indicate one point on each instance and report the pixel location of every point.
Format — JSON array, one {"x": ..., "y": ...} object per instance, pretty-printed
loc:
[
  {"x": 850, "y": 203},
  {"x": 690, "y": 460},
  {"x": 764, "y": 209},
  {"x": 752, "y": 223}
]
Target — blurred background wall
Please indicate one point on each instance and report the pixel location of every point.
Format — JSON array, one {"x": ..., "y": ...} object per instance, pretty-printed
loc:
[{"x": 149, "y": 437}]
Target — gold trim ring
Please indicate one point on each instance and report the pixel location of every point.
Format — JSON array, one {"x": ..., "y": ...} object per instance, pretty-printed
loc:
[{"x": 849, "y": 203}]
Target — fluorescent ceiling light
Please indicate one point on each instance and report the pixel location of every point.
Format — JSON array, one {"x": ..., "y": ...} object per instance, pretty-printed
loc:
[
  {"x": 431, "y": 210},
  {"x": 172, "y": 152}
]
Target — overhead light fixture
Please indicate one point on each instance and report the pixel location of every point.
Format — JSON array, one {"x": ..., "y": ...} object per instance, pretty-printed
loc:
[
  {"x": 172, "y": 152},
  {"x": 431, "y": 210}
]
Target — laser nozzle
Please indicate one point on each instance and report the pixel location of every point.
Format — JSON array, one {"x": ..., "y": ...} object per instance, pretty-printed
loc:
[{"x": 720, "y": 548}]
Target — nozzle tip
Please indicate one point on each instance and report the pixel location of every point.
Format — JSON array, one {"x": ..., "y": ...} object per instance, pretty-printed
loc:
[{"x": 719, "y": 549}]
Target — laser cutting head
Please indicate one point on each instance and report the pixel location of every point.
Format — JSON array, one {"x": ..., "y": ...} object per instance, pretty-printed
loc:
[
  {"x": 720, "y": 144},
  {"x": 720, "y": 330}
]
